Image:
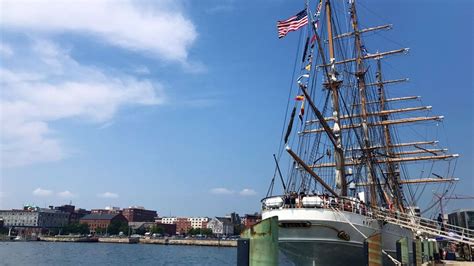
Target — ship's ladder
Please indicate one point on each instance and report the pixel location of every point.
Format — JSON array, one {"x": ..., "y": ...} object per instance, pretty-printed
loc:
[{"x": 425, "y": 226}]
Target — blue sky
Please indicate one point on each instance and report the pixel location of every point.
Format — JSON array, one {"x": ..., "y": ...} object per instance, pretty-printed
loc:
[{"x": 178, "y": 105}]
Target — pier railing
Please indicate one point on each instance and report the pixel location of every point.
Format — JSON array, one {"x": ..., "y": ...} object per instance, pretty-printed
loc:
[{"x": 425, "y": 226}]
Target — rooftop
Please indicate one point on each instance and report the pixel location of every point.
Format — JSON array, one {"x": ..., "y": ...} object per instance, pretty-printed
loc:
[{"x": 99, "y": 216}]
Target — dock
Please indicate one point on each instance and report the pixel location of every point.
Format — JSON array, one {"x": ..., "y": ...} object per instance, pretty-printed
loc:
[
  {"x": 68, "y": 239},
  {"x": 136, "y": 240},
  {"x": 190, "y": 242}
]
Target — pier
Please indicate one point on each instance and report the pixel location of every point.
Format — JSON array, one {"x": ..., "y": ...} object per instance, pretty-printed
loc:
[
  {"x": 190, "y": 242},
  {"x": 136, "y": 240}
]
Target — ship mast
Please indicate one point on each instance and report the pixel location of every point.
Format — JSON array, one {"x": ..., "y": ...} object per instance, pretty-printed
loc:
[
  {"x": 333, "y": 85},
  {"x": 360, "y": 75},
  {"x": 394, "y": 181}
]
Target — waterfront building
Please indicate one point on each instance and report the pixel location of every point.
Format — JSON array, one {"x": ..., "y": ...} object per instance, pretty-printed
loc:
[
  {"x": 139, "y": 214},
  {"x": 463, "y": 218},
  {"x": 168, "y": 229},
  {"x": 221, "y": 226},
  {"x": 198, "y": 222},
  {"x": 34, "y": 217},
  {"x": 107, "y": 210},
  {"x": 234, "y": 218},
  {"x": 141, "y": 225},
  {"x": 251, "y": 219},
  {"x": 168, "y": 220},
  {"x": 183, "y": 224},
  {"x": 102, "y": 220},
  {"x": 74, "y": 214}
]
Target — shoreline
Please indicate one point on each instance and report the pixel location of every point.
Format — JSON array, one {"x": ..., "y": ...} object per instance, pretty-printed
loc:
[{"x": 132, "y": 240}]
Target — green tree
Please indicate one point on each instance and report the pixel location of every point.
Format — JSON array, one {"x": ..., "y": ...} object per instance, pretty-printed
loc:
[
  {"x": 100, "y": 231},
  {"x": 200, "y": 231},
  {"x": 157, "y": 230},
  {"x": 192, "y": 231},
  {"x": 3, "y": 230},
  {"x": 206, "y": 231},
  {"x": 117, "y": 226},
  {"x": 76, "y": 228},
  {"x": 140, "y": 231}
]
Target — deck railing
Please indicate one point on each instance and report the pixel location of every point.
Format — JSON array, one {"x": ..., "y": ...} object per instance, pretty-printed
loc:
[{"x": 404, "y": 219}]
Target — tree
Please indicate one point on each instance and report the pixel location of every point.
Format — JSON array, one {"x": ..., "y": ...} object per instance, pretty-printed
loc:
[
  {"x": 3, "y": 230},
  {"x": 200, "y": 231},
  {"x": 76, "y": 228},
  {"x": 117, "y": 226},
  {"x": 157, "y": 230},
  {"x": 206, "y": 231},
  {"x": 100, "y": 231}
]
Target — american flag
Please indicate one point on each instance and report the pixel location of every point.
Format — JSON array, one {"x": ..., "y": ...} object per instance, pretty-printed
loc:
[{"x": 294, "y": 23}]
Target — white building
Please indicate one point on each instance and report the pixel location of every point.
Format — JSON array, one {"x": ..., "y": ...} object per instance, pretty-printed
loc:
[
  {"x": 168, "y": 220},
  {"x": 221, "y": 226},
  {"x": 37, "y": 217},
  {"x": 198, "y": 222}
]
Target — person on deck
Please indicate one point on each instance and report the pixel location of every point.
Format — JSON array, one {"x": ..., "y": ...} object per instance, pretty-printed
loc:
[{"x": 441, "y": 222}]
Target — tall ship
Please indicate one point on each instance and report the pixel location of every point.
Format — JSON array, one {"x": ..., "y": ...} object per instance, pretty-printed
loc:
[{"x": 355, "y": 156}]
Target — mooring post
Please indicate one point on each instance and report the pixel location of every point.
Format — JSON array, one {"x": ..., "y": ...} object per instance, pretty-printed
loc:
[
  {"x": 417, "y": 252},
  {"x": 426, "y": 253},
  {"x": 243, "y": 249},
  {"x": 436, "y": 255},
  {"x": 402, "y": 251},
  {"x": 373, "y": 250},
  {"x": 431, "y": 250},
  {"x": 263, "y": 242}
]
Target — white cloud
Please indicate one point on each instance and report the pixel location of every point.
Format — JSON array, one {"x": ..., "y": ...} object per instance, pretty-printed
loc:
[
  {"x": 142, "y": 70},
  {"x": 247, "y": 192},
  {"x": 50, "y": 85},
  {"x": 221, "y": 191},
  {"x": 66, "y": 194},
  {"x": 5, "y": 50},
  {"x": 108, "y": 195},
  {"x": 43, "y": 83},
  {"x": 158, "y": 28},
  {"x": 42, "y": 192}
]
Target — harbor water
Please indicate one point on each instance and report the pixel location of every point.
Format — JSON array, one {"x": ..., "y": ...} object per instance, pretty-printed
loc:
[{"x": 60, "y": 253}]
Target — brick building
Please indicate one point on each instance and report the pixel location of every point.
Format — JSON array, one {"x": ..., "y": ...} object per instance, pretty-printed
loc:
[
  {"x": 139, "y": 214},
  {"x": 183, "y": 225},
  {"x": 251, "y": 219},
  {"x": 168, "y": 229},
  {"x": 107, "y": 210},
  {"x": 74, "y": 214},
  {"x": 102, "y": 220}
]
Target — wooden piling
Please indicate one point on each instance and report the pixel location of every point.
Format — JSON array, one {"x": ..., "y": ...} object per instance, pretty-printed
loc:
[
  {"x": 373, "y": 250},
  {"x": 402, "y": 251},
  {"x": 417, "y": 253},
  {"x": 263, "y": 244},
  {"x": 426, "y": 253}
]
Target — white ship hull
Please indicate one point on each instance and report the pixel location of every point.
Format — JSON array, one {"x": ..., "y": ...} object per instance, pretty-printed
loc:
[{"x": 313, "y": 236}]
